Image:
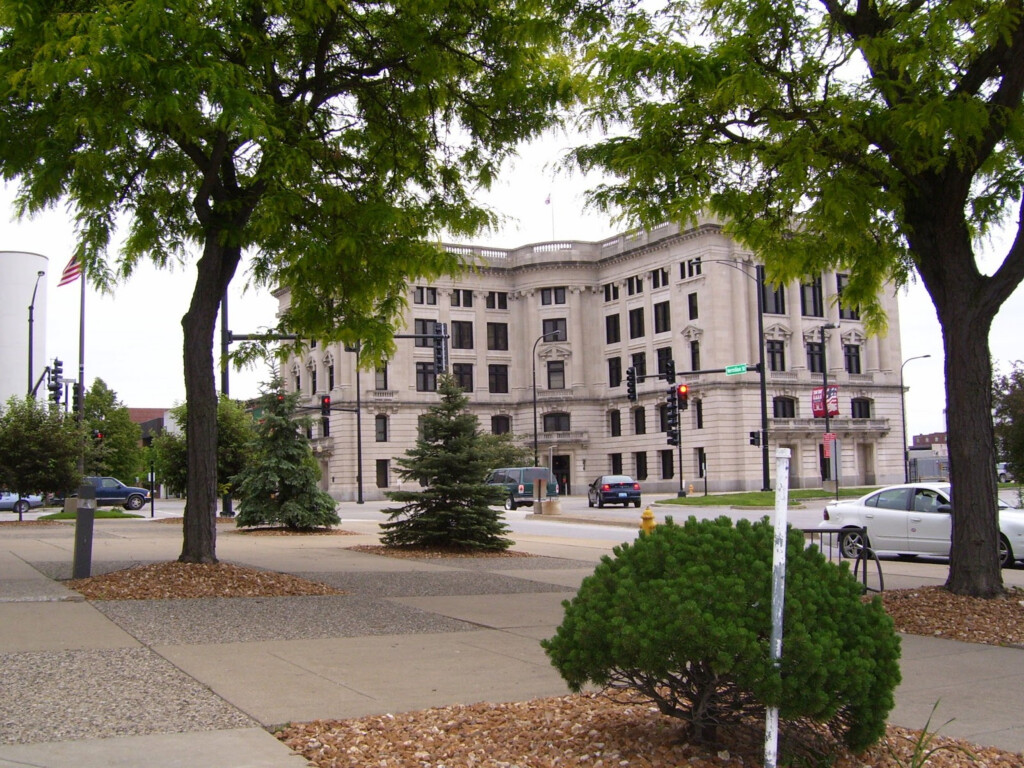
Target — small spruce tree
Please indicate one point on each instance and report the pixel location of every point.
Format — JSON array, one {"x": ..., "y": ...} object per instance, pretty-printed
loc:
[
  {"x": 455, "y": 509},
  {"x": 279, "y": 485}
]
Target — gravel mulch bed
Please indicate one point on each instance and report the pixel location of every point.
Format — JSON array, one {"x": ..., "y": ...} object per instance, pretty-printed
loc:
[{"x": 936, "y": 612}]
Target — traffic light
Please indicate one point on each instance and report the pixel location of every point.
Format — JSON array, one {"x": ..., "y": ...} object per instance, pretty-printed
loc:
[
  {"x": 76, "y": 397},
  {"x": 755, "y": 438},
  {"x": 672, "y": 417},
  {"x": 683, "y": 395},
  {"x": 97, "y": 436},
  {"x": 670, "y": 370},
  {"x": 440, "y": 348},
  {"x": 55, "y": 380},
  {"x": 325, "y": 405},
  {"x": 631, "y": 383}
]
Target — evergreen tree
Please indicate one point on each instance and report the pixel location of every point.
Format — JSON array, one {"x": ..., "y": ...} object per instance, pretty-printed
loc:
[
  {"x": 279, "y": 485},
  {"x": 455, "y": 509},
  {"x": 119, "y": 452}
]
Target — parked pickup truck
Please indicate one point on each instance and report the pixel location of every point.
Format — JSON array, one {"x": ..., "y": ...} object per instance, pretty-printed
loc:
[{"x": 111, "y": 492}]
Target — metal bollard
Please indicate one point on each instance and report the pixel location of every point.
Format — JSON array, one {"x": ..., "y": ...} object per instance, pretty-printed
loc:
[{"x": 85, "y": 515}]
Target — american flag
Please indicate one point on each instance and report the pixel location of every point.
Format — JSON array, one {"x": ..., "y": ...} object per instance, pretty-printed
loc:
[{"x": 71, "y": 272}]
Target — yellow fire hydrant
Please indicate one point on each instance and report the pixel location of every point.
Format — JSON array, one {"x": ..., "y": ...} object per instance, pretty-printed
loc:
[{"x": 647, "y": 521}]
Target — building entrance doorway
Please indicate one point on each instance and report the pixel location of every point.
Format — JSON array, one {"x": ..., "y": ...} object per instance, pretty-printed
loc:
[{"x": 560, "y": 469}]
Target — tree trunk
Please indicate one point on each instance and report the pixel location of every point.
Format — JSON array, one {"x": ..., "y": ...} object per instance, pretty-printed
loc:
[{"x": 216, "y": 268}]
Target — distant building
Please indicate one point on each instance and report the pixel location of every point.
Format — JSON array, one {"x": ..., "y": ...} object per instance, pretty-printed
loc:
[
  {"x": 152, "y": 421},
  {"x": 574, "y": 316}
]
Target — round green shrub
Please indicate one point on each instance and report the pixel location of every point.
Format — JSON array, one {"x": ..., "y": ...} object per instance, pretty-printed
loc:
[{"x": 683, "y": 616}]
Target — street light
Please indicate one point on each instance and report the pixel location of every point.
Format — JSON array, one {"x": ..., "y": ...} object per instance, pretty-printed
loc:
[
  {"x": 903, "y": 419},
  {"x": 824, "y": 370},
  {"x": 534, "y": 362},
  {"x": 31, "y": 310}
]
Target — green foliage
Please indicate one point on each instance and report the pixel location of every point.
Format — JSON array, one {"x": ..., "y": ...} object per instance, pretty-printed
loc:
[
  {"x": 39, "y": 448},
  {"x": 455, "y": 508},
  {"x": 278, "y": 486},
  {"x": 1008, "y": 401},
  {"x": 683, "y": 615},
  {"x": 503, "y": 451},
  {"x": 119, "y": 454}
]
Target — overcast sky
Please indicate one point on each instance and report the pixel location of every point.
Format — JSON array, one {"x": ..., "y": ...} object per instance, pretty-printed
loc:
[{"x": 134, "y": 341}]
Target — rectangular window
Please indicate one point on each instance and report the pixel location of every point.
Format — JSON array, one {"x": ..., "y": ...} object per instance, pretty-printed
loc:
[
  {"x": 497, "y": 336},
  {"x": 615, "y": 423},
  {"x": 424, "y": 328},
  {"x": 698, "y": 412},
  {"x": 634, "y": 285},
  {"x": 552, "y": 295},
  {"x": 691, "y": 302},
  {"x": 811, "y": 302},
  {"x": 298, "y": 382},
  {"x": 615, "y": 463},
  {"x": 663, "y": 417},
  {"x": 383, "y": 470},
  {"x": 497, "y": 379},
  {"x": 860, "y": 408},
  {"x": 668, "y": 464},
  {"x": 553, "y": 326},
  {"x": 640, "y": 364},
  {"x": 662, "y": 317},
  {"x": 497, "y": 300},
  {"x": 501, "y": 425},
  {"x": 815, "y": 357},
  {"x": 640, "y": 465},
  {"x": 556, "y": 422},
  {"x": 693, "y": 268},
  {"x": 312, "y": 380},
  {"x": 639, "y": 421},
  {"x": 776, "y": 353},
  {"x": 463, "y": 373},
  {"x": 614, "y": 372},
  {"x": 851, "y": 357},
  {"x": 845, "y": 313},
  {"x": 462, "y": 334},
  {"x": 659, "y": 277},
  {"x": 426, "y": 379},
  {"x": 636, "y": 323},
  {"x": 774, "y": 300},
  {"x": 422, "y": 295},
  {"x": 462, "y": 298},
  {"x": 611, "y": 292},
  {"x": 702, "y": 462},
  {"x": 330, "y": 377},
  {"x": 612, "y": 334},
  {"x": 694, "y": 355},
  {"x": 380, "y": 424},
  {"x": 380, "y": 378},
  {"x": 556, "y": 374},
  {"x": 664, "y": 357},
  {"x": 784, "y": 408}
]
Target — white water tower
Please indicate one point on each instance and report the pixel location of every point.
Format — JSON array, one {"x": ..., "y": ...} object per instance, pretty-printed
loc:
[{"x": 20, "y": 281}]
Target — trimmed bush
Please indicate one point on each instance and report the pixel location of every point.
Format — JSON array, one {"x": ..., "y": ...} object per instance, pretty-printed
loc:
[{"x": 683, "y": 616}]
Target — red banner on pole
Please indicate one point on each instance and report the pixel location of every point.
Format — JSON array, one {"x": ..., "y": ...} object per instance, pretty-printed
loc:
[{"x": 818, "y": 404}]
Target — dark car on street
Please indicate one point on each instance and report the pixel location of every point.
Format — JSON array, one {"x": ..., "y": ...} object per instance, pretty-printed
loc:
[
  {"x": 614, "y": 489},
  {"x": 111, "y": 492}
]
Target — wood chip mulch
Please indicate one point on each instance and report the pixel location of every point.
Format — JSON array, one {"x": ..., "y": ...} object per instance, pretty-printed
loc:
[
  {"x": 170, "y": 581},
  {"x": 31, "y": 523},
  {"x": 937, "y": 612}
]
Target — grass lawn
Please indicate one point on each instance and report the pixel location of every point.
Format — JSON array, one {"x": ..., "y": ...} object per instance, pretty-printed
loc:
[
  {"x": 101, "y": 514},
  {"x": 761, "y": 498}
]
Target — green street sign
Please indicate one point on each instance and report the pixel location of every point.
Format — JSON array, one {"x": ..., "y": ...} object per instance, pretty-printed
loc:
[{"x": 732, "y": 370}]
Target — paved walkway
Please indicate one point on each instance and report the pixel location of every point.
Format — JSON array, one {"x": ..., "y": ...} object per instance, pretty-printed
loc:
[{"x": 199, "y": 682}]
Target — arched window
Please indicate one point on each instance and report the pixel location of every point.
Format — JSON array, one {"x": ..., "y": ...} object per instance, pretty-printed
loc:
[
  {"x": 501, "y": 425},
  {"x": 784, "y": 408}
]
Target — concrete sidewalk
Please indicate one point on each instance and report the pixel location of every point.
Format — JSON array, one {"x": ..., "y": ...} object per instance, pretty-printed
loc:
[{"x": 199, "y": 682}]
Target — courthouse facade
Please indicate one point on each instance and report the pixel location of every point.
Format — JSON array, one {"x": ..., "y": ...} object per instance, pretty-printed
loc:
[{"x": 548, "y": 331}]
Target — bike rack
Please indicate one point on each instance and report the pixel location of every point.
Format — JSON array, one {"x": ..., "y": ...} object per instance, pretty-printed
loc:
[{"x": 828, "y": 542}]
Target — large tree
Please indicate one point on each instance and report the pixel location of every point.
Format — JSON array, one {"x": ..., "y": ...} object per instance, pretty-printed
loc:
[
  {"x": 882, "y": 138},
  {"x": 332, "y": 140},
  {"x": 1008, "y": 399},
  {"x": 119, "y": 452}
]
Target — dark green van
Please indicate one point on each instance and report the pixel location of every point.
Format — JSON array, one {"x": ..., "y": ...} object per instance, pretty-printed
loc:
[{"x": 518, "y": 482}]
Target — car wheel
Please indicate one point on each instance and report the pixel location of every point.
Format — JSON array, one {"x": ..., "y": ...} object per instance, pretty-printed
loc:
[
  {"x": 851, "y": 543},
  {"x": 1005, "y": 553},
  {"x": 600, "y": 502},
  {"x": 1002, "y": 478},
  {"x": 590, "y": 501},
  {"x": 21, "y": 506},
  {"x": 134, "y": 502},
  {"x": 510, "y": 504},
  {"x": 637, "y": 503}
]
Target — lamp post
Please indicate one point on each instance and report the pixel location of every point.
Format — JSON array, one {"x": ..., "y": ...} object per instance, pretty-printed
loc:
[
  {"x": 31, "y": 311},
  {"x": 533, "y": 360},
  {"x": 357, "y": 349},
  {"x": 903, "y": 419},
  {"x": 824, "y": 383}
]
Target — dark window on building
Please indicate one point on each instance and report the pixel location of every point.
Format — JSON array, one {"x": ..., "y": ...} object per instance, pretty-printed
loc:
[
  {"x": 860, "y": 408},
  {"x": 784, "y": 408},
  {"x": 553, "y": 326},
  {"x": 774, "y": 300},
  {"x": 463, "y": 373},
  {"x": 330, "y": 377},
  {"x": 815, "y": 357},
  {"x": 664, "y": 357},
  {"x": 662, "y": 317},
  {"x": 636, "y": 323},
  {"x": 698, "y": 413},
  {"x": 497, "y": 336},
  {"x": 640, "y": 462},
  {"x": 298, "y": 382},
  {"x": 776, "y": 353},
  {"x": 380, "y": 378},
  {"x": 845, "y": 313},
  {"x": 552, "y": 295},
  {"x": 383, "y": 470},
  {"x": 424, "y": 328},
  {"x": 426, "y": 379},
  {"x": 640, "y": 364},
  {"x": 556, "y": 422},
  {"x": 615, "y": 423},
  {"x": 663, "y": 417},
  {"x": 497, "y": 379},
  {"x": 634, "y": 285},
  {"x": 421, "y": 295},
  {"x": 462, "y": 298},
  {"x": 851, "y": 357},
  {"x": 501, "y": 425},
  {"x": 611, "y": 292},
  {"x": 694, "y": 355},
  {"x": 462, "y": 334},
  {"x": 612, "y": 333},
  {"x": 659, "y": 277},
  {"x": 497, "y": 300},
  {"x": 702, "y": 462},
  {"x": 312, "y": 380},
  {"x": 556, "y": 374},
  {"x": 689, "y": 268},
  {"x": 639, "y": 421},
  {"x": 668, "y": 464},
  {"x": 614, "y": 371},
  {"x": 380, "y": 423},
  {"x": 691, "y": 303},
  {"x": 615, "y": 462},
  {"x": 812, "y": 304}
]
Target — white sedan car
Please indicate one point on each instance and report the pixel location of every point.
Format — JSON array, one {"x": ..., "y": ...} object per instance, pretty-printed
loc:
[
  {"x": 913, "y": 519},
  {"x": 10, "y": 501}
]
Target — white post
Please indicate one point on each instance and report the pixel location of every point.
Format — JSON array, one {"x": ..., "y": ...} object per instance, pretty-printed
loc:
[{"x": 771, "y": 725}]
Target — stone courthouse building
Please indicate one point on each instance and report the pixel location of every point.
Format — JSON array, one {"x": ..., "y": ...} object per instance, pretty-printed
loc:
[{"x": 548, "y": 331}]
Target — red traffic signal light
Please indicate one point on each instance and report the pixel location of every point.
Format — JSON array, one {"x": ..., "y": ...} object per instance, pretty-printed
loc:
[
  {"x": 325, "y": 405},
  {"x": 683, "y": 396}
]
